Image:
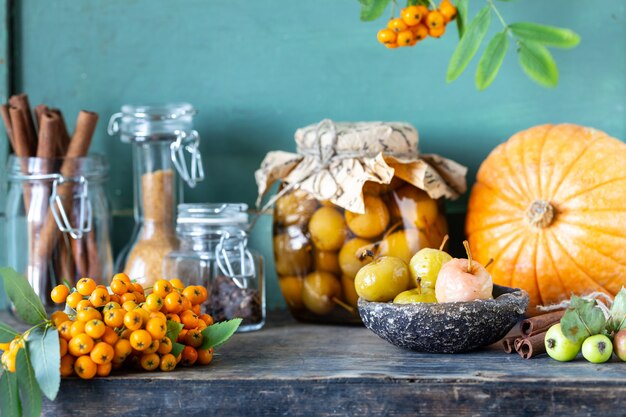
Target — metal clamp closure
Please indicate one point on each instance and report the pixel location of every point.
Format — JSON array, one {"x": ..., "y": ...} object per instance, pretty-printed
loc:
[
  {"x": 84, "y": 206},
  {"x": 226, "y": 261},
  {"x": 190, "y": 142}
]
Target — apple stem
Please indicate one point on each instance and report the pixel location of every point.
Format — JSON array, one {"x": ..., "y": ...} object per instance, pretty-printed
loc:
[
  {"x": 489, "y": 262},
  {"x": 443, "y": 242},
  {"x": 469, "y": 256},
  {"x": 343, "y": 305}
]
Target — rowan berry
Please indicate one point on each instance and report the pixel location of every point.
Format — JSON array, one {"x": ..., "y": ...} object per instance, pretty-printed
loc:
[
  {"x": 122, "y": 277},
  {"x": 411, "y": 15},
  {"x": 110, "y": 336},
  {"x": 193, "y": 293},
  {"x": 391, "y": 45},
  {"x": 83, "y": 304},
  {"x": 58, "y": 317},
  {"x": 204, "y": 294},
  {"x": 201, "y": 325},
  {"x": 177, "y": 283},
  {"x": 158, "y": 315},
  {"x": 186, "y": 303},
  {"x": 62, "y": 346},
  {"x": 59, "y": 294},
  {"x": 174, "y": 302},
  {"x": 189, "y": 319},
  {"x": 173, "y": 317},
  {"x": 99, "y": 297},
  {"x": 435, "y": 19},
  {"x": 197, "y": 309},
  {"x": 133, "y": 320},
  {"x": 154, "y": 302},
  {"x": 207, "y": 319},
  {"x": 80, "y": 345},
  {"x": 386, "y": 36},
  {"x": 436, "y": 32},
  {"x": 73, "y": 299},
  {"x": 153, "y": 348},
  {"x": 104, "y": 370},
  {"x": 181, "y": 335},
  {"x": 194, "y": 338},
  {"x": 67, "y": 365},
  {"x": 95, "y": 328},
  {"x": 139, "y": 296},
  {"x": 168, "y": 362},
  {"x": 129, "y": 305},
  {"x": 165, "y": 346},
  {"x": 420, "y": 32},
  {"x": 85, "y": 367},
  {"x": 110, "y": 306},
  {"x": 405, "y": 38},
  {"x": 102, "y": 353},
  {"x": 64, "y": 330},
  {"x": 190, "y": 356},
  {"x": 150, "y": 361},
  {"x": 205, "y": 356},
  {"x": 162, "y": 288},
  {"x": 140, "y": 340},
  {"x": 87, "y": 314},
  {"x": 447, "y": 9},
  {"x": 116, "y": 298},
  {"x": 129, "y": 296},
  {"x": 119, "y": 287},
  {"x": 397, "y": 25},
  {"x": 78, "y": 327},
  {"x": 122, "y": 349},
  {"x": 85, "y": 286},
  {"x": 115, "y": 317},
  {"x": 157, "y": 328}
]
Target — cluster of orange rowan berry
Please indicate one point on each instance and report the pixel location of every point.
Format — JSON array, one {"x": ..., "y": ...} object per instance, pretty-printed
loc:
[
  {"x": 125, "y": 326},
  {"x": 416, "y": 23}
]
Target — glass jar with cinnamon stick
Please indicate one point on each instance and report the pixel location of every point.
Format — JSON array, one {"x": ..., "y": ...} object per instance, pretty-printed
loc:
[{"x": 165, "y": 151}]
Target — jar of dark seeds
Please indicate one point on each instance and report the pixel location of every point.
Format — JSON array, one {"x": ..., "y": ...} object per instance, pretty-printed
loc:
[{"x": 213, "y": 252}]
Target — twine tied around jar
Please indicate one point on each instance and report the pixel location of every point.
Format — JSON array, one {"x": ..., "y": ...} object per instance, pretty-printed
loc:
[{"x": 335, "y": 160}]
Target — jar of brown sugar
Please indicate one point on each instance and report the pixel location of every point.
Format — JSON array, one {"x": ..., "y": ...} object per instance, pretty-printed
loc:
[{"x": 165, "y": 151}]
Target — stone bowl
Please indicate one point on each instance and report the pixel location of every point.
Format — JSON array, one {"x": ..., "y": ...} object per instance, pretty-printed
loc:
[{"x": 446, "y": 327}]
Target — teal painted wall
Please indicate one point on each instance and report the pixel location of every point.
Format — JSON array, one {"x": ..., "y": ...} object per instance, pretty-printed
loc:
[{"x": 257, "y": 70}]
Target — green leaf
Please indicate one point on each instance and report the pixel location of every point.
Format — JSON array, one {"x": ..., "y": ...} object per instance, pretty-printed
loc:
[
  {"x": 30, "y": 392},
  {"x": 44, "y": 351},
  {"x": 372, "y": 9},
  {"x": 545, "y": 35},
  {"x": 10, "y": 405},
  {"x": 538, "y": 63},
  {"x": 618, "y": 311},
  {"x": 469, "y": 44},
  {"x": 27, "y": 304},
  {"x": 491, "y": 61},
  {"x": 177, "y": 349},
  {"x": 582, "y": 319},
  {"x": 461, "y": 16},
  {"x": 173, "y": 330},
  {"x": 219, "y": 333},
  {"x": 7, "y": 333}
]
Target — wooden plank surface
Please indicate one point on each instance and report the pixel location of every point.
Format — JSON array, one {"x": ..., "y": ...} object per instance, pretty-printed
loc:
[{"x": 298, "y": 369}]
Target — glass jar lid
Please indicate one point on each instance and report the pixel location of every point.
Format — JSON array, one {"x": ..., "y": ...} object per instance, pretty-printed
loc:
[
  {"x": 142, "y": 123},
  {"x": 213, "y": 214}
]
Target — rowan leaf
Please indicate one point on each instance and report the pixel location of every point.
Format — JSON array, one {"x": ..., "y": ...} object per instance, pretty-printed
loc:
[
  {"x": 27, "y": 304},
  {"x": 491, "y": 61},
  {"x": 469, "y": 44},
  {"x": 27, "y": 382},
  {"x": 538, "y": 63},
  {"x": 545, "y": 35},
  {"x": 219, "y": 333},
  {"x": 372, "y": 9},
  {"x": 44, "y": 351}
]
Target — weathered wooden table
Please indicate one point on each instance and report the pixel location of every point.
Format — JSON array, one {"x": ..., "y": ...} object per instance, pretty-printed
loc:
[{"x": 295, "y": 369}]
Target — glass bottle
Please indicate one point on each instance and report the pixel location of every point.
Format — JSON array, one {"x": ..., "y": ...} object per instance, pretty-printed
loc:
[
  {"x": 58, "y": 221},
  {"x": 160, "y": 135},
  {"x": 213, "y": 252}
]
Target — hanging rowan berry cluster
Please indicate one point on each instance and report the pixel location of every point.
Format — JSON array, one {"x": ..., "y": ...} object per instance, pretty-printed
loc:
[{"x": 416, "y": 23}]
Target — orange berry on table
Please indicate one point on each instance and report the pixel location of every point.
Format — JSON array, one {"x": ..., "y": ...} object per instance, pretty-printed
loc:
[
  {"x": 150, "y": 361},
  {"x": 397, "y": 25},
  {"x": 78, "y": 327},
  {"x": 129, "y": 296},
  {"x": 162, "y": 288},
  {"x": 177, "y": 283},
  {"x": 122, "y": 349},
  {"x": 129, "y": 305},
  {"x": 133, "y": 320},
  {"x": 102, "y": 353},
  {"x": 139, "y": 296},
  {"x": 186, "y": 303},
  {"x": 119, "y": 287},
  {"x": 157, "y": 328},
  {"x": 205, "y": 356},
  {"x": 73, "y": 299},
  {"x": 165, "y": 346},
  {"x": 158, "y": 315},
  {"x": 435, "y": 19},
  {"x": 104, "y": 370},
  {"x": 64, "y": 330},
  {"x": 140, "y": 340},
  {"x": 197, "y": 309},
  {"x": 59, "y": 317},
  {"x": 62, "y": 346},
  {"x": 85, "y": 367},
  {"x": 87, "y": 314},
  {"x": 116, "y": 298},
  {"x": 204, "y": 294},
  {"x": 122, "y": 277},
  {"x": 80, "y": 345},
  {"x": 437, "y": 32},
  {"x": 193, "y": 293},
  {"x": 154, "y": 302},
  {"x": 420, "y": 31},
  {"x": 207, "y": 319},
  {"x": 153, "y": 348},
  {"x": 447, "y": 9},
  {"x": 110, "y": 336},
  {"x": 168, "y": 362},
  {"x": 111, "y": 305},
  {"x": 59, "y": 294},
  {"x": 67, "y": 365},
  {"x": 201, "y": 325},
  {"x": 145, "y": 314},
  {"x": 115, "y": 317},
  {"x": 95, "y": 328},
  {"x": 85, "y": 286},
  {"x": 174, "y": 302},
  {"x": 190, "y": 356},
  {"x": 386, "y": 36},
  {"x": 189, "y": 319},
  {"x": 405, "y": 38},
  {"x": 83, "y": 304},
  {"x": 194, "y": 338},
  {"x": 174, "y": 317},
  {"x": 181, "y": 335},
  {"x": 99, "y": 297},
  {"x": 137, "y": 287}
]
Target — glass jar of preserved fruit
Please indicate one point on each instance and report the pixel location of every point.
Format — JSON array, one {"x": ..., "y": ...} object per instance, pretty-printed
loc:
[{"x": 354, "y": 192}]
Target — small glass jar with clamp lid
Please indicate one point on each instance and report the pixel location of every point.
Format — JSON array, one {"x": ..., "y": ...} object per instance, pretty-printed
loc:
[
  {"x": 165, "y": 150},
  {"x": 213, "y": 252}
]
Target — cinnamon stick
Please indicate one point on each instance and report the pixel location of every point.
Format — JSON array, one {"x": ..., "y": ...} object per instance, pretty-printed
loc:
[
  {"x": 6, "y": 119},
  {"x": 21, "y": 145},
  {"x": 64, "y": 137},
  {"x": 540, "y": 324},
  {"x": 20, "y": 101},
  {"x": 508, "y": 344},
  {"x": 48, "y": 135},
  {"x": 40, "y": 110},
  {"x": 532, "y": 346}
]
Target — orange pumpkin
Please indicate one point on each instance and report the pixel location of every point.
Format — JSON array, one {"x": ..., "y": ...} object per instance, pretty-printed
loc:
[{"x": 549, "y": 207}]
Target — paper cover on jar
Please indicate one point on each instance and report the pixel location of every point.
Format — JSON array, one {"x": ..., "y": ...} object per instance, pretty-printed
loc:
[{"x": 334, "y": 161}]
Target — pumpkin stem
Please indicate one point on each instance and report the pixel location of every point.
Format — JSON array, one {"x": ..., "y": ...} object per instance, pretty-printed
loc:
[
  {"x": 443, "y": 243},
  {"x": 540, "y": 214},
  {"x": 469, "y": 256}
]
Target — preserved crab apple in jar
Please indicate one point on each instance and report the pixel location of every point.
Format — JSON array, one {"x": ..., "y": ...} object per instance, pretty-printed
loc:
[{"x": 354, "y": 192}]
